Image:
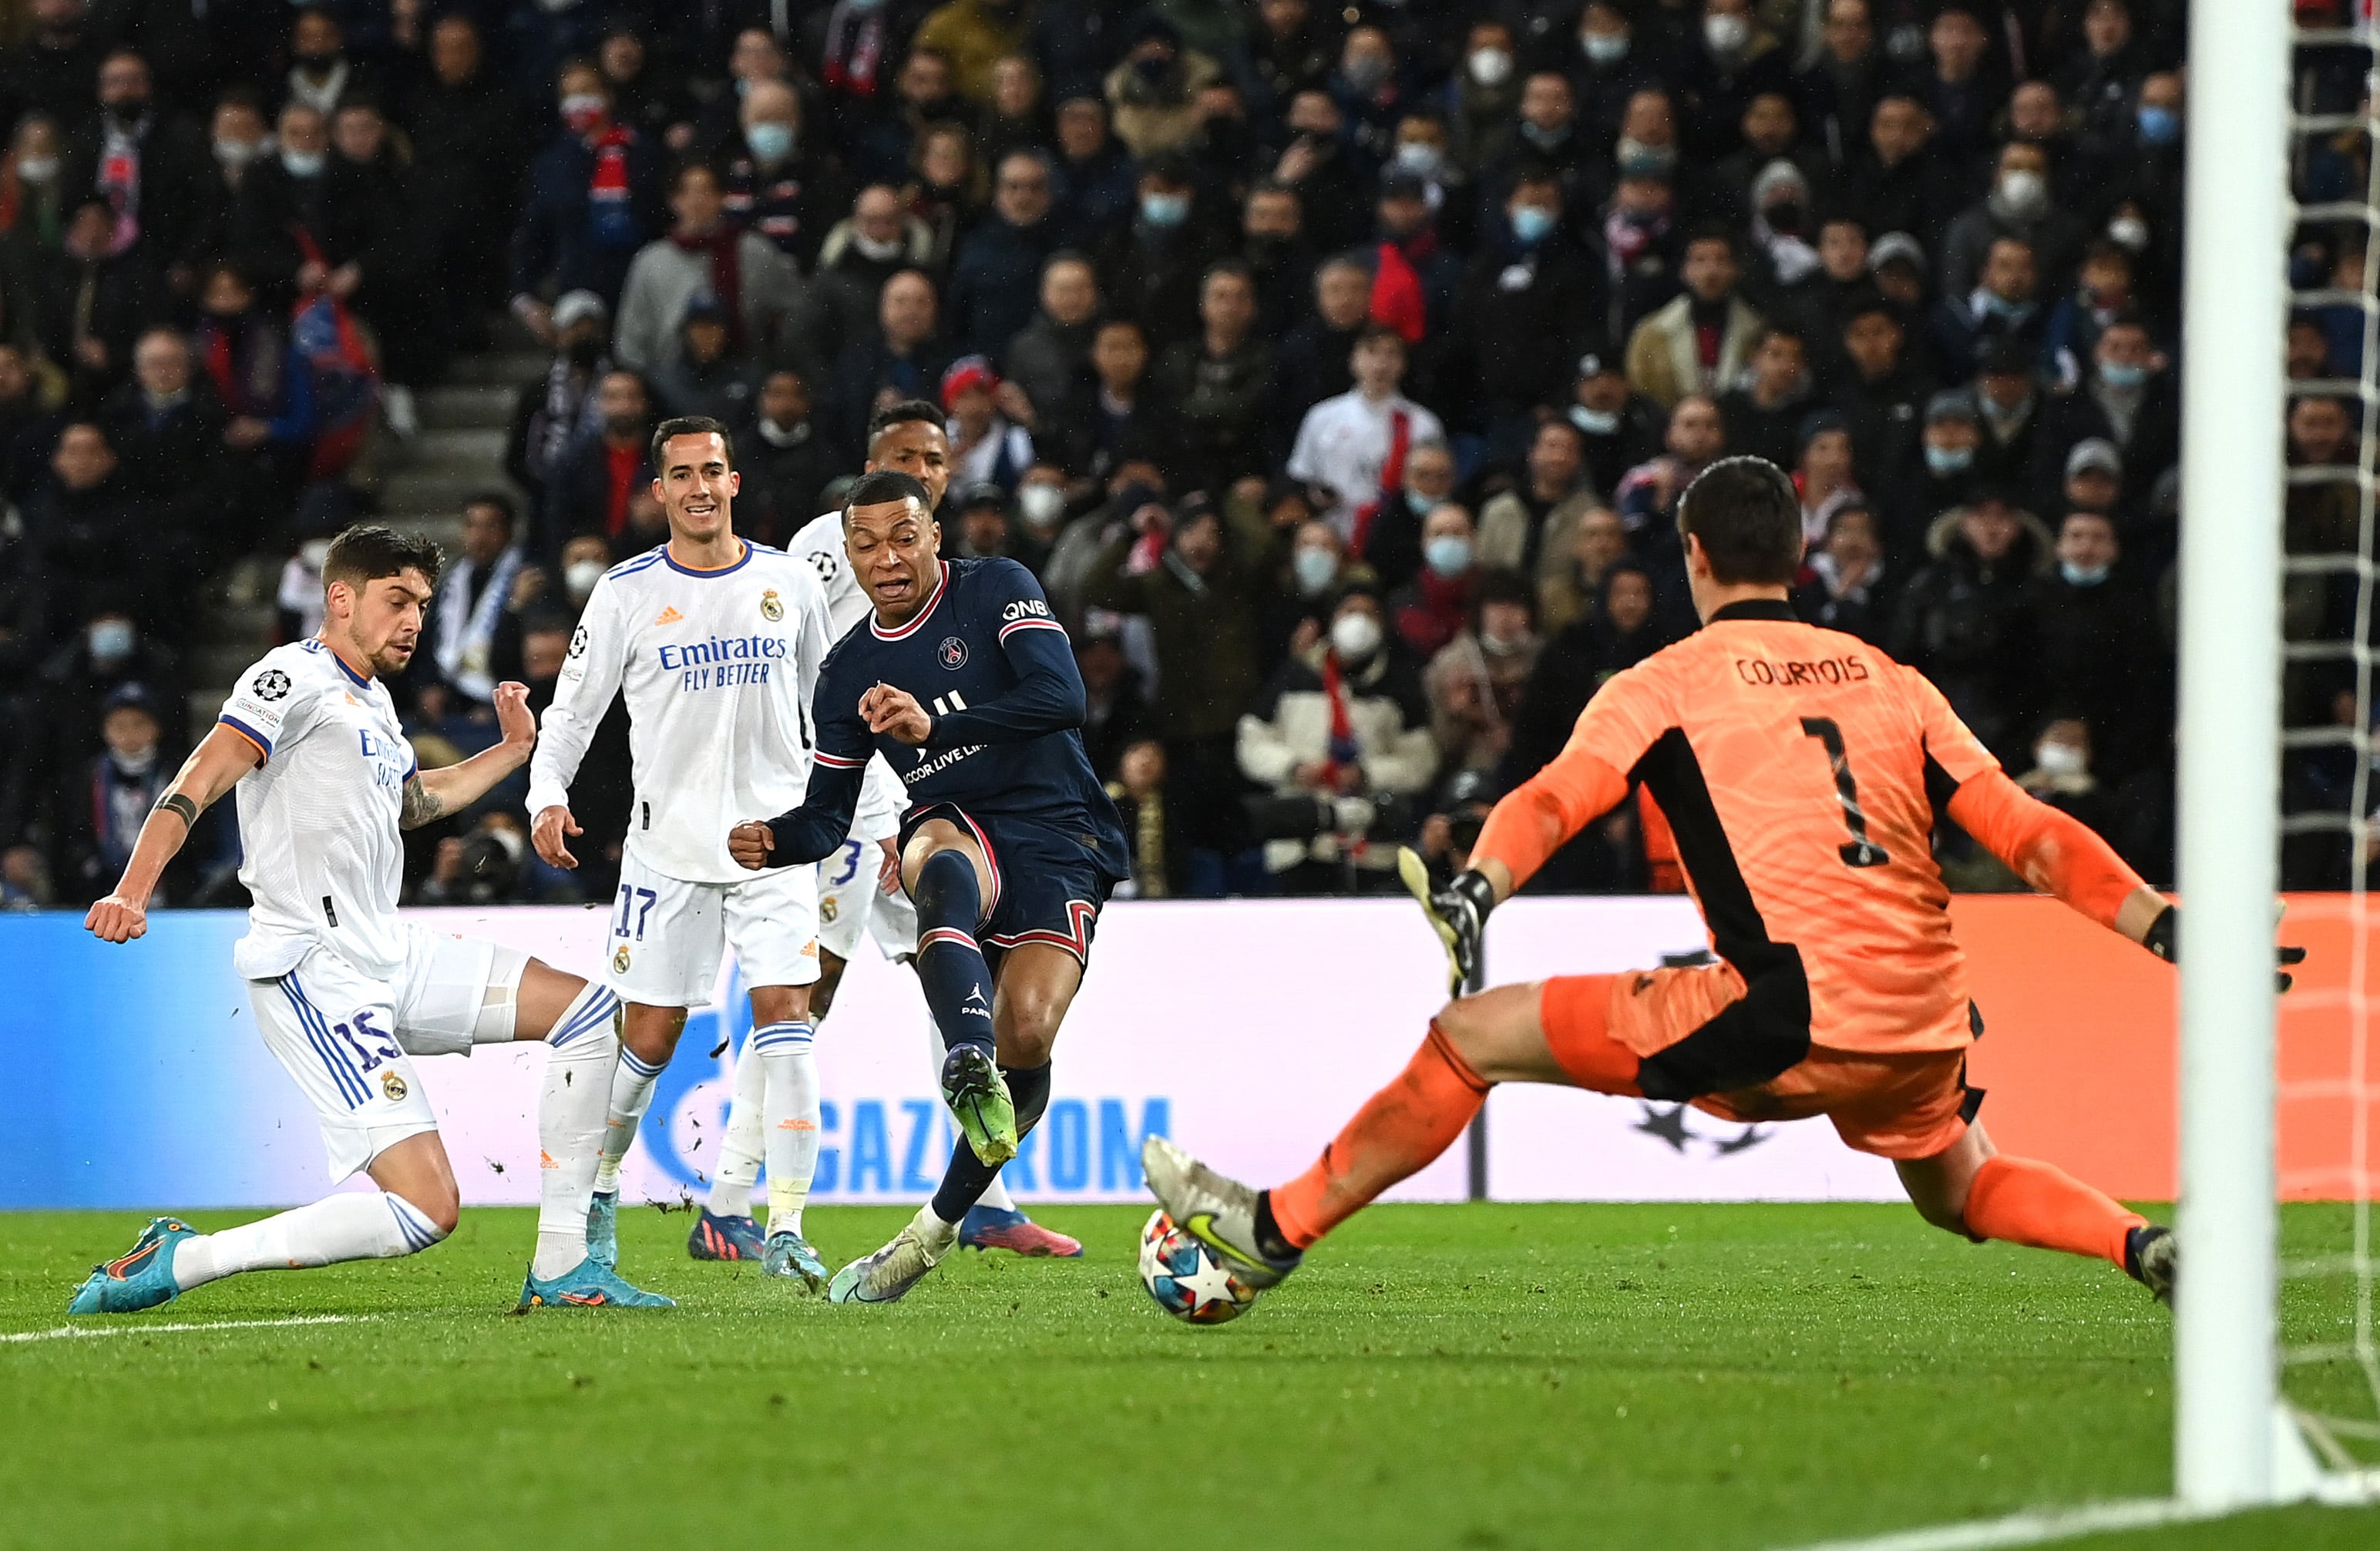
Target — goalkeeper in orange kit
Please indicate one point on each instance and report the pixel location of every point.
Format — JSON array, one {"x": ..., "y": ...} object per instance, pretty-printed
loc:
[{"x": 1801, "y": 772}]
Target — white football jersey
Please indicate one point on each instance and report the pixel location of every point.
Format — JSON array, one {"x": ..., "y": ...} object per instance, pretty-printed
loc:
[
  {"x": 717, "y": 667},
  {"x": 322, "y": 857},
  {"x": 883, "y": 796}
]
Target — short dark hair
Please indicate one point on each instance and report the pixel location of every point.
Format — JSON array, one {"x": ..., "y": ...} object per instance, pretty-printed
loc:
[
  {"x": 881, "y": 489},
  {"x": 690, "y": 425},
  {"x": 903, "y": 412},
  {"x": 1746, "y": 513},
  {"x": 503, "y": 504},
  {"x": 690, "y": 166},
  {"x": 367, "y": 551}
]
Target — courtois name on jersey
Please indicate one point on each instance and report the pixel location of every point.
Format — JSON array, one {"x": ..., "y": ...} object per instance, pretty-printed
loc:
[
  {"x": 819, "y": 542},
  {"x": 717, "y": 667},
  {"x": 321, "y": 853},
  {"x": 997, "y": 674}
]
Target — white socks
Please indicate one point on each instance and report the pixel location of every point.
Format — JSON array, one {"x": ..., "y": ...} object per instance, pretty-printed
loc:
[
  {"x": 354, "y": 1225},
  {"x": 739, "y": 1150},
  {"x": 631, "y": 1093},
  {"x": 789, "y": 1113},
  {"x": 995, "y": 1195},
  {"x": 581, "y": 1053}
]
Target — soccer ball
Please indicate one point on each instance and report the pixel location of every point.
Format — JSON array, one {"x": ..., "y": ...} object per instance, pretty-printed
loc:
[{"x": 1185, "y": 1278}]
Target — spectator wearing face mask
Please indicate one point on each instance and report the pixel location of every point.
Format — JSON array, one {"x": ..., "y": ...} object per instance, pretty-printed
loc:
[
  {"x": 1619, "y": 428},
  {"x": 2128, "y": 400},
  {"x": 1731, "y": 60},
  {"x": 594, "y": 199},
  {"x": 776, "y": 182},
  {"x": 1944, "y": 475},
  {"x": 1614, "y": 61},
  {"x": 2103, "y": 292},
  {"x": 1850, "y": 586},
  {"x": 1152, "y": 270},
  {"x": 1039, "y": 513},
  {"x": 108, "y": 651},
  {"x": 2019, "y": 206},
  {"x": 2100, "y": 652},
  {"x": 1428, "y": 612},
  {"x": 1474, "y": 681},
  {"x": 785, "y": 461},
  {"x": 1480, "y": 96},
  {"x": 96, "y": 811},
  {"x": 2004, "y": 304},
  {"x": 1526, "y": 301},
  {"x": 2062, "y": 774},
  {"x": 1203, "y": 598},
  {"x": 1320, "y": 569},
  {"x": 1345, "y": 725},
  {"x": 2012, "y": 407},
  {"x": 1970, "y": 620}
]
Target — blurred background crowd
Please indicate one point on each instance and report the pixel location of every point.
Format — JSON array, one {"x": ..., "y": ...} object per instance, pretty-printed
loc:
[{"x": 1337, "y": 369}]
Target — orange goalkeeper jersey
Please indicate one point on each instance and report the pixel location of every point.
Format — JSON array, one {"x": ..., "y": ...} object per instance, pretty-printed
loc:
[{"x": 1801, "y": 770}]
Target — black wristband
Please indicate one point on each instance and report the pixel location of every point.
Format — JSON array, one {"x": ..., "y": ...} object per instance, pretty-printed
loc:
[
  {"x": 2161, "y": 936},
  {"x": 1473, "y": 885},
  {"x": 173, "y": 802}
]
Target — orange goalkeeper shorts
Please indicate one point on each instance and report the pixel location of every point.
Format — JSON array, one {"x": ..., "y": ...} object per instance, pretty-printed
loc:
[{"x": 1901, "y": 1106}]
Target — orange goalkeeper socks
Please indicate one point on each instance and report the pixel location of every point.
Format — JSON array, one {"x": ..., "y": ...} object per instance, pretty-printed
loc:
[
  {"x": 1396, "y": 1132},
  {"x": 2027, "y": 1201}
]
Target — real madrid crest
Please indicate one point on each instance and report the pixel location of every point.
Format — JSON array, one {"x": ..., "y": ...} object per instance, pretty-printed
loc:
[
  {"x": 620, "y": 960},
  {"x": 392, "y": 1085},
  {"x": 772, "y": 610},
  {"x": 828, "y": 910}
]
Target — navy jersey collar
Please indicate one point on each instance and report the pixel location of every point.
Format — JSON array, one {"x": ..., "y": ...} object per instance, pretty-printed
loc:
[
  {"x": 1758, "y": 608},
  {"x": 740, "y": 562},
  {"x": 325, "y": 647},
  {"x": 917, "y": 620}
]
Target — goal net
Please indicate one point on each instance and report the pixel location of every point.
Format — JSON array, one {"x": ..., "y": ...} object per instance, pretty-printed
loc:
[{"x": 2277, "y": 1361}]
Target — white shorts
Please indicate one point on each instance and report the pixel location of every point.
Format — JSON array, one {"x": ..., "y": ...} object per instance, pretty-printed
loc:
[
  {"x": 346, "y": 1036},
  {"x": 667, "y": 935},
  {"x": 852, "y": 902}
]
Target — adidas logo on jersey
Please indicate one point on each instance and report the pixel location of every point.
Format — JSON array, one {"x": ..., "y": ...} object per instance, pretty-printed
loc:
[{"x": 668, "y": 616}]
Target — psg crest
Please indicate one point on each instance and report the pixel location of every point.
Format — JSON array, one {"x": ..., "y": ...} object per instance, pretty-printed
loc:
[{"x": 953, "y": 651}]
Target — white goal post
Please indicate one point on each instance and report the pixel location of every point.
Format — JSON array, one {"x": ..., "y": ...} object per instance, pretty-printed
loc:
[{"x": 2236, "y": 1443}]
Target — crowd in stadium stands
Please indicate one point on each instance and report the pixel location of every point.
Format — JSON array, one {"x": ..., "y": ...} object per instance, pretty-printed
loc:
[{"x": 1337, "y": 370}]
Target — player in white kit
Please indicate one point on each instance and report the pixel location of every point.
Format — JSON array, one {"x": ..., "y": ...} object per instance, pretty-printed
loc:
[
  {"x": 859, "y": 889},
  {"x": 345, "y": 992},
  {"x": 716, "y": 643}
]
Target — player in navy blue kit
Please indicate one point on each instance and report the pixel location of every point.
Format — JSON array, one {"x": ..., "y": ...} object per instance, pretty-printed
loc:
[{"x": 967, "y": 686}]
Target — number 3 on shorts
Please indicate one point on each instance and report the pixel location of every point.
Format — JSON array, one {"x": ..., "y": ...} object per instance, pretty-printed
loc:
[{"x": 851, "y": 854}]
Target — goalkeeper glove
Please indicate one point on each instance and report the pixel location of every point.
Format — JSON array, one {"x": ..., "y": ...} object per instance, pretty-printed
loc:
[
  {"x": 1457, "y": 912},
  {"x": 2164, "y": 935}
]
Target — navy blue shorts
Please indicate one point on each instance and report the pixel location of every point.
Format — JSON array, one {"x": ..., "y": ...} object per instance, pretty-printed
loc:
[{"x": 1047, "y": 886}]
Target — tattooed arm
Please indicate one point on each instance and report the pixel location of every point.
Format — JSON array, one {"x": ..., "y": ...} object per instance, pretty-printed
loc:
[{"x": 430, "y": 796}]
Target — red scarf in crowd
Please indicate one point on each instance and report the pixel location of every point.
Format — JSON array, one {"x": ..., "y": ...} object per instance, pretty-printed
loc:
[
  {"x": 1393, "y": 481},
  {"x": 855, "y": 50},
  {"x": 727, "y": 274},
  {"x": 1344, "y": 751},
  {"x": 1397, "y": 301},
  {"x": 607, "y": 185}
]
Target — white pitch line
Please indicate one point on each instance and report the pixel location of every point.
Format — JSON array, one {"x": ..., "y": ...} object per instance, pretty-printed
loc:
[
  {"x": 91, "y": 1332},
  {"x": 2036, "y": 1527}
]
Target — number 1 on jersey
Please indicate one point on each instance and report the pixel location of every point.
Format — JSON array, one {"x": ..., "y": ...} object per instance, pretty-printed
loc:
[{"x": 1860, "y": 851}]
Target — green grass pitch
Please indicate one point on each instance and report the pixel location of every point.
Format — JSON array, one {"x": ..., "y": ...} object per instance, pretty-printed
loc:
[{"x": 1667, "y": 1377}]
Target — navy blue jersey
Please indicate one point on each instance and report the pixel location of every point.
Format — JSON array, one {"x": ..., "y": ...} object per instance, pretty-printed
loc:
[{"x": 997, "y": 674}]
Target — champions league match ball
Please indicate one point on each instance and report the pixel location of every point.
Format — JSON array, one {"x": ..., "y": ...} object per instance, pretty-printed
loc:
[{"x": 1185, "y": 1278}]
